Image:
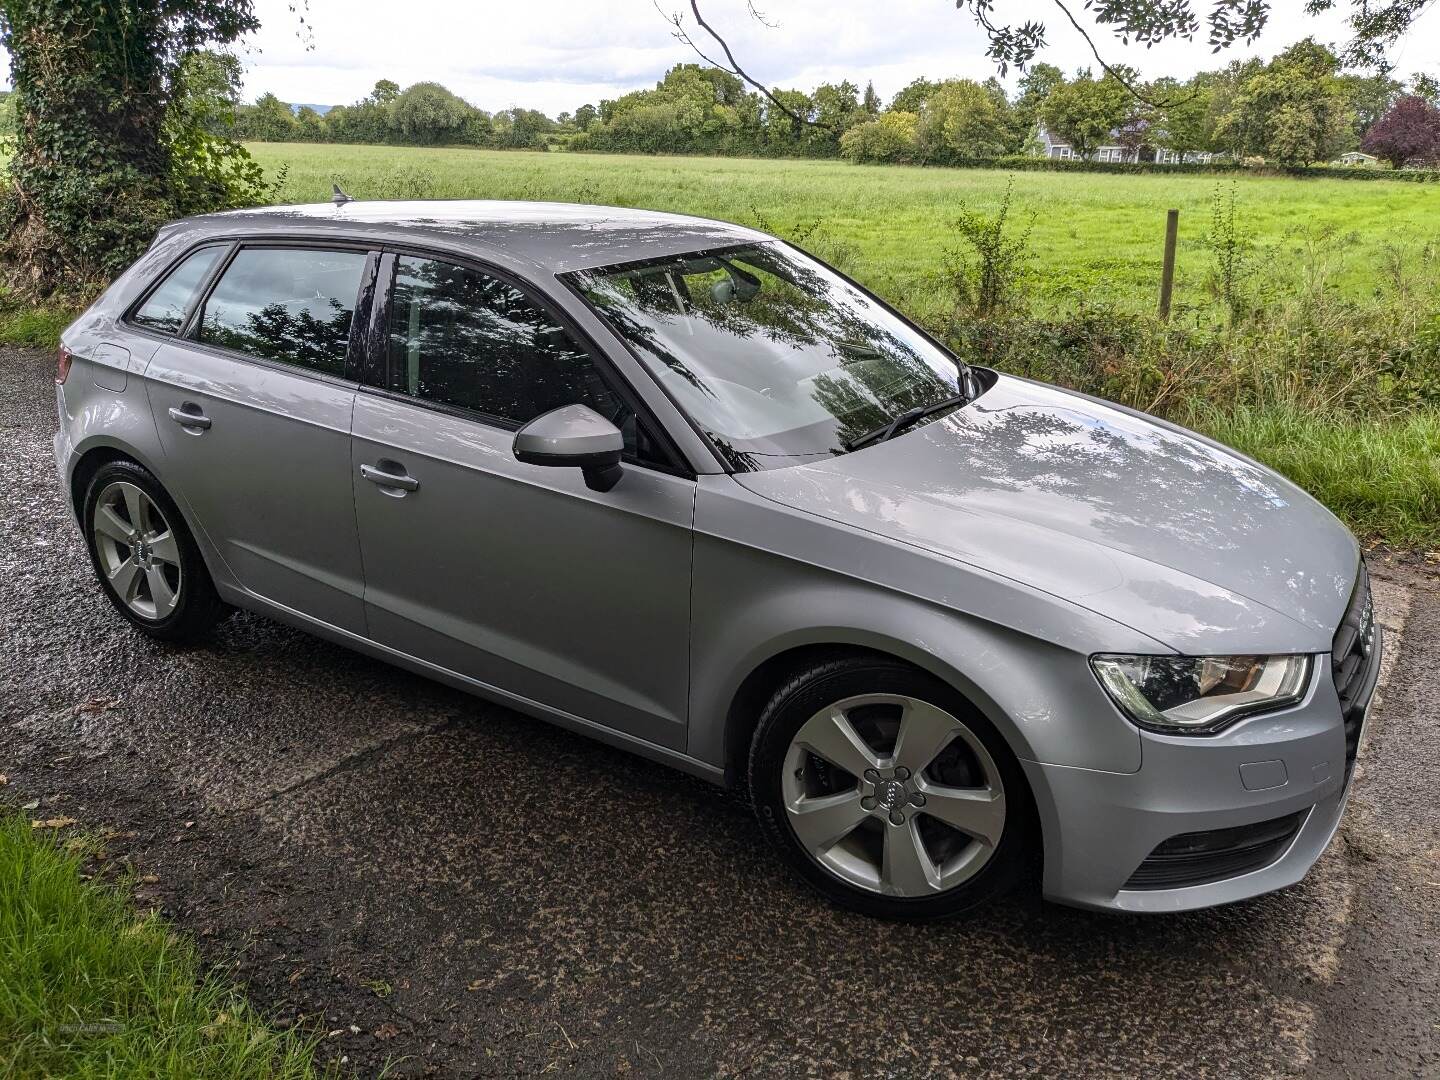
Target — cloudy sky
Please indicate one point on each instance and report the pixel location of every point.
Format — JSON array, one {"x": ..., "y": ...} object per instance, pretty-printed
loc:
[{"x": 555, "y": 55}]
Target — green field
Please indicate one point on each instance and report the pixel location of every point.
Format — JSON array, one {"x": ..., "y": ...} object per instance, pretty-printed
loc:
[{"x": 1096, "y": 237}]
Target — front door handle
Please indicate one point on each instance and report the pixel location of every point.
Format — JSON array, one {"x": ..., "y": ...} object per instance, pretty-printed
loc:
[
  {"x": 190, "y": 416},
  {"x": 384, "y": 478}
]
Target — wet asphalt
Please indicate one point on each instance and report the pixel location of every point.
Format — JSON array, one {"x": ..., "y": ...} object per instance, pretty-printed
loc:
[{"x": 441, "y": 884}]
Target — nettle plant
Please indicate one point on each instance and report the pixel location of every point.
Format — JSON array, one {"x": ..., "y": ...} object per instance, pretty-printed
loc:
[{"x": 107, "y": 144}]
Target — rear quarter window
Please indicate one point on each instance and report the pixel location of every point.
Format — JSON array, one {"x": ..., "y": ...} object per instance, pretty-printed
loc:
[{"x": 165, "y": 309}]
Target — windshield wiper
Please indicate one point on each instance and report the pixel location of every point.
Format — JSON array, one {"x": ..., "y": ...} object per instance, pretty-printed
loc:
[{"x": 906, "y": 419}]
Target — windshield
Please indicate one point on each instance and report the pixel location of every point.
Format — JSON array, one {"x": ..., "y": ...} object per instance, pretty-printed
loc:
[{"x": 778, "y": 359}]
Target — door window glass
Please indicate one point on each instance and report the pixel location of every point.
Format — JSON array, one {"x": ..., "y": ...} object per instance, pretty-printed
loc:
[
  {"x": 294, "y": 305},
  {"x": 165, "y": 310},
  {"x": 466, "y": 339}
]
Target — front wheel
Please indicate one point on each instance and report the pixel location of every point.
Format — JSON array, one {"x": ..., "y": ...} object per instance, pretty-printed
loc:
[{"x": 887, "y": 792}]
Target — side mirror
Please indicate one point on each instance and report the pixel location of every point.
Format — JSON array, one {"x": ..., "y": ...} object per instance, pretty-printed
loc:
[{"x": 574, "y": 437}]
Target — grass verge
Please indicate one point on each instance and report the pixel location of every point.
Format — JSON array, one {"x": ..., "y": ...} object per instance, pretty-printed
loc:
[
  {"x": 1381, "y": 477},
  {"x": 32, "y": 327},
  {"x": 93, "y": 988}
]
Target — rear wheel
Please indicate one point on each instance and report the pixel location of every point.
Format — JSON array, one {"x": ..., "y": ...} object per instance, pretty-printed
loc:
[
  {"x": 146, "y": 560},
  {"x": 887, "y": 792}
]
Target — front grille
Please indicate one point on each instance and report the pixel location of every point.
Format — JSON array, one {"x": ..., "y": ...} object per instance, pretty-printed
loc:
[
  {"x": 1199, "y": 858},
  {"x": 1353, "y": 661}
]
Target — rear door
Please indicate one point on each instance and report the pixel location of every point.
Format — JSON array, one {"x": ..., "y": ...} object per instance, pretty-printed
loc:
[
  {"x": 515, "y": 575},
  {"x": 253, "y": 403}
]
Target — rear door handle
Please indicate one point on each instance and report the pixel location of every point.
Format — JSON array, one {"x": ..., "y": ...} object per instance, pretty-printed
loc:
[
  {"x": 402, "y": 480},
  {"x": 190, "y": 416}
]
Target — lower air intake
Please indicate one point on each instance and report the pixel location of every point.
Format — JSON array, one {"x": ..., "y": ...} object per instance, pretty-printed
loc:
[{"x": 1199, "y": 858}]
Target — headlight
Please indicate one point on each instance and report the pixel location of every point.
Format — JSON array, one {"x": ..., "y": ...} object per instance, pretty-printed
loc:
[{"x": 1199, "y": 694}]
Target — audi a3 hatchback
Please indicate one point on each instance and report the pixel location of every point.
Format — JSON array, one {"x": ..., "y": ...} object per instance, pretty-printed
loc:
[{"x": 679, "y": 486}]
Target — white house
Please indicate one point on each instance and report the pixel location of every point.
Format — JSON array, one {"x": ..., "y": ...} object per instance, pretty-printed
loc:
[
  {"x": 1053, "y": 148},
  {"x": 1356, "y": 159}
]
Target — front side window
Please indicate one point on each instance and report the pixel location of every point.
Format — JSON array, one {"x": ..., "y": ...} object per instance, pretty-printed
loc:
[
  {"x": 294, "y": 305},
  {"x": 777, "y": 358},
  {"x": 471, "y": 341},
  {"x": 166, "y": 308}
]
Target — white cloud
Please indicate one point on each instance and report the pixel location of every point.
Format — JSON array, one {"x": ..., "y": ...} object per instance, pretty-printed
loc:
[{"x": 557, "y": 54}]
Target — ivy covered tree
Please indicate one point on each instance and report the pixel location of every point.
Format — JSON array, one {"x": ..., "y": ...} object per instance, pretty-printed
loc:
[{"x": 96, "y": 155}]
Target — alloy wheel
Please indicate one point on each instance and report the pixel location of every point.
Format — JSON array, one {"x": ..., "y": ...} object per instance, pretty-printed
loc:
[
  {"x": 138, "y": 551},
  {"x": 893, "y": 794}
]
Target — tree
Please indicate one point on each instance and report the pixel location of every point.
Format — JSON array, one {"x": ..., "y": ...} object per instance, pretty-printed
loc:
[
  {"x": 427, "y": 113},
  {"x": 913, "y": 97},
  {"x": 209, "y": 85},
  {"x": 310, "y": 125},
  {"x": 585, "y": 115},
  {"x": 271, "y": 120},
  {"x": 962, "y": 119},
  {"x": 1410, "y": 131},
  {"x": 1370, "y": 96},
  {"x": 890, "y": 137},
  {"x": 1035, "y": 86},
  {"x": 1085, "y": 111},
  {"x": 1185, "y": 123},
  {"x": 1294, "y": 111},
  {"x": 871, "y": 101},
  {"x": 1426, "y": 86},
  {"x": 208, "y": 168},
  {"x": 1377, "y": 24},
  {"x": 93, "y": 171},
  {"x": 522, "y": 129}
]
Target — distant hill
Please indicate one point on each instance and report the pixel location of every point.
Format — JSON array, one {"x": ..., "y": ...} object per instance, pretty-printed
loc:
[{"x": 321, "y": 109}]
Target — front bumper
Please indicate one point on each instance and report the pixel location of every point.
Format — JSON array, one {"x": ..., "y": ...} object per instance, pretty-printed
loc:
[{"x": 1099, "y": 827}]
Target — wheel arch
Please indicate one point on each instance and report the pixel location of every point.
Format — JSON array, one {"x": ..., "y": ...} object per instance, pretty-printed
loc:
[
  {"x": 94, "y": 454},
  {"x": 90, "y": 461},
  {"x": 768, "y": 673}
]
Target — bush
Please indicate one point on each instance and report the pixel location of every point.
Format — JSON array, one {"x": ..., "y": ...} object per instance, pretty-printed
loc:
[{"x": 890, "y": 138}]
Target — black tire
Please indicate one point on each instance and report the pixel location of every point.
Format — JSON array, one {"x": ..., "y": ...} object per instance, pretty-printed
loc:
[
  {"x": 806, "y": 694},
  {"x": 197, "y": 606}
]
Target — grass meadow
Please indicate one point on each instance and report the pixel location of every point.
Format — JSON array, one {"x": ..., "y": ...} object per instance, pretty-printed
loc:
[{"x": 1096, "y": 238}]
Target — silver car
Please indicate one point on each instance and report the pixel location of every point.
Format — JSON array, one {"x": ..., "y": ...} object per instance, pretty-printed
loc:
[{"x": 677, "y": 485}]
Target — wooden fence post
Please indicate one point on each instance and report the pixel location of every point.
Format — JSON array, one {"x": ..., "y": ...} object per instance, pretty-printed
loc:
[{"x": 1167, "y": 272}]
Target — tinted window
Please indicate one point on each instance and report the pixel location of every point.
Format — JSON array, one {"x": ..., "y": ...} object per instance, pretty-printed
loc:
[
  {"x": 165, "y": 310},
  {"x": 288, "y": 304},
  {"x": 776, "y": 357},
  {"x": 466, "y": 339}
]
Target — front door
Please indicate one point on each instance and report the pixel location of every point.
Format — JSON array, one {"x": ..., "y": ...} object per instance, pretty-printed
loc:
[
  {"x": 515, "y": 575},
  {"x": 254, "y": 416}
]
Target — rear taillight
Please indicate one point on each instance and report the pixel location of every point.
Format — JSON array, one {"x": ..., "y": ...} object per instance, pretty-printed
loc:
[{"x": 63, "y": 359}]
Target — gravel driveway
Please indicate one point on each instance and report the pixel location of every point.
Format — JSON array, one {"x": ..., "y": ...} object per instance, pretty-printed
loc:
[{"x": 445, "y": 883}]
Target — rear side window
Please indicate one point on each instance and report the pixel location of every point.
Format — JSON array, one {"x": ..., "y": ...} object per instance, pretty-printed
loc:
[
  {"x": 166, "y": 308},
  {"x": 294, "y": 305}
]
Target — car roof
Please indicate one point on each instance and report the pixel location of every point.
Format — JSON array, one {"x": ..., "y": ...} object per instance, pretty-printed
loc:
[{"x": 556, "y": 236}]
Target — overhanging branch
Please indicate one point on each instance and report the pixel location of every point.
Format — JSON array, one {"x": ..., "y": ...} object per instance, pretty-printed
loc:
[{"x": 731, "y": 65}]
